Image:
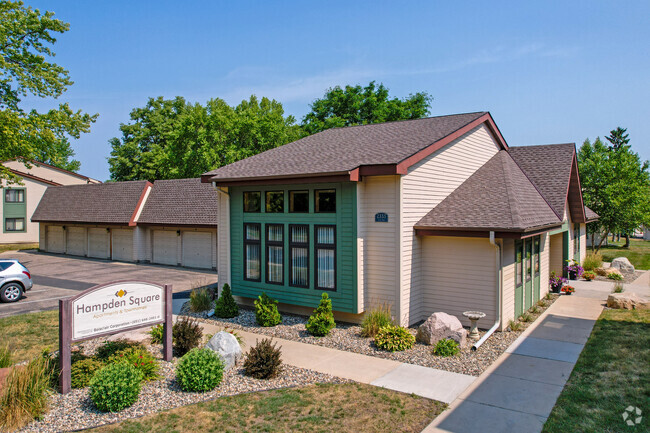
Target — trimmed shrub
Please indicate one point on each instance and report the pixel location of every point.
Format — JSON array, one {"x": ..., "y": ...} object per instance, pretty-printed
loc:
[
  {"x": 266, "y": 311},
  {"x": 84, "y": 370},
  {"x": 200, "y": 300},
  {"x": 157, "y": 334},
  {"x": 115, "y": 387},
  {"x": 24, "y": 395},
  {"x": 394, "y": 338},
  {"x": 226, "y": 307},
  {"x": 186, "y": 335},
  {"x": 375, "y": 319},
  {"x": 615, "y": 276},
  {"x": 322, "y": 320},
  {"x": 264, "y": 360},
  {"x": 139, "y": 358},
  {"x": 110, "y": 348},
  {"x": 200, "y": 370},
  {"x": 446, "y": 347},
  {"x": 592, "y": 261},
  {"x": 6, "y": 357}
]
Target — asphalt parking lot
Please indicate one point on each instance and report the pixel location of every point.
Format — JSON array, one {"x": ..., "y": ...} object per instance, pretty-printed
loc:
[{"x": 57, "y": 277}]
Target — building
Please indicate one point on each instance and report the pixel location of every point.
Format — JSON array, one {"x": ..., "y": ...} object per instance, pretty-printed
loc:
[
  {"x": 426, "y": 215},
  {"x": 20, "y": 200}
]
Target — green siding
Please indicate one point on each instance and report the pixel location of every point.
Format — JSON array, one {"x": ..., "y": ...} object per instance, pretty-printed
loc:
[
  {"x": 344, "y": 299},
  {"x": 14, "y": 210}
]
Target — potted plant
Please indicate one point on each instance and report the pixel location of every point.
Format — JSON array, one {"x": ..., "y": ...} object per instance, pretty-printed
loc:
[
  {"x": 587, "y": 275},
  {"x": 574, "y": 270},
  {"x": 567, "y": 290},
  {"x": 556, "y": 282}
]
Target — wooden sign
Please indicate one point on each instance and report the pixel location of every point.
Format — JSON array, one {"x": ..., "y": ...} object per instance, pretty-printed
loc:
[{"x": 381, "y": 217}]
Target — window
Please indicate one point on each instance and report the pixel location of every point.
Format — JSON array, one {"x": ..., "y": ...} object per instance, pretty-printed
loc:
[
  {"x": 252, "y": 252},
  {"x": 299, "y": 255},
  {"x": 529, "y": 259},
  {"x": 252, "y": 201},
  {"x": 275, "y": 253},
  {"x": 325, "y": 200},
  {"x": 576, "y": 243},
  {"x": 325, "y": 247},
  {"x": 536, "y": 252},
  {"x": 15, "y": 196},
  {"x": 298, "y": 201},
  {"x": 14, "y": 224},
  {"x": 275, "y": 201},
  {"x": 519, "y": 266}
]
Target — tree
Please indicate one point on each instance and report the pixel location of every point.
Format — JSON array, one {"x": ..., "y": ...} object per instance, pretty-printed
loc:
[
  {"x": 25, "y": 34},
  {"x": 363, "y": 105},
  {"x": 618, "y": 138}
]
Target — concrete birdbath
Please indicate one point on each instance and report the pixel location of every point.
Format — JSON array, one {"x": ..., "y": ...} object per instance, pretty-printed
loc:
[{"x": 474, "y": 317}]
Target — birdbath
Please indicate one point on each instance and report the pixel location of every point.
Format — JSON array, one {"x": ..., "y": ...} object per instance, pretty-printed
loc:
[{"x": 474, "y": 317}]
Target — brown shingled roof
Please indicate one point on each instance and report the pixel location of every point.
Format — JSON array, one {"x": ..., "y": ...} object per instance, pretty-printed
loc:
[
  {"x": 591, "y": 215},
  {"x": 181, "y": 202},
  {"x": 107, "y": 203}
]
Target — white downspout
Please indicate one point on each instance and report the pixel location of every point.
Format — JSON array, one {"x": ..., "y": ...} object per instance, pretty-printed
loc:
[{"x": 499, "y": 290}]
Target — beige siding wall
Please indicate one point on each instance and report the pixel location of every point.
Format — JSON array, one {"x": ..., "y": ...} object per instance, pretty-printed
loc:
[
  {"x": 140, "y": 240},
  {"x": 545, "y": 264},
  {"x": 48, "y": 173},
  {"x": 223, "y": 235},
  {"x": 34, "y": 190},
  {"x": 555, "y": 250},
  {"x": 508, "y": 269},
  {"x": 427, "y": 184},
  {"x": 583, "y": 242}
]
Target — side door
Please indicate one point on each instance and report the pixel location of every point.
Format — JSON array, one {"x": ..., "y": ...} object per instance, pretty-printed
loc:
[
  {"x": 528, "y": 273},
  {"x": 536, "y": 268},
  {"x": 519, "y": 278}
]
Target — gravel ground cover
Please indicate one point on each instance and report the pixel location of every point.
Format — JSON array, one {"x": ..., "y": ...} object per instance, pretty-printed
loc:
[
  {"x": 348, "y": 337},
  {"x": 628, "y": 277}
]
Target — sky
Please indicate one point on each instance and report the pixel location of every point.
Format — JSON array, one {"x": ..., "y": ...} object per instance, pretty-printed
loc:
[{"x": 548, "y": 72}]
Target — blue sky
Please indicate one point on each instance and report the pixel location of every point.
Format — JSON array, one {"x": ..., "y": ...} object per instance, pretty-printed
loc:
[{"x": 549, "y": 72}]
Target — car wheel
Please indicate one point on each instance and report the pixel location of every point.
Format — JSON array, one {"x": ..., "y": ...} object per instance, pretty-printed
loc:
[{"x": 11, "y": 292}]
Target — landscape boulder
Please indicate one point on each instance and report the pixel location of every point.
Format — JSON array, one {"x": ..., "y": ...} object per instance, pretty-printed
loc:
[
  {"x": 226, "y": 345},
  {"x": 627, "y": 301},
  {"x": 610, "y": 271},
  {"x": 622, "y": 264},
  {"x": 601, "y": 271},
  {"x": 440, "y": 326}
]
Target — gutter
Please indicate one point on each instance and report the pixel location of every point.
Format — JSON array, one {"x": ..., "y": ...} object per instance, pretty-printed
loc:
[{"x": 494, "y": 327}]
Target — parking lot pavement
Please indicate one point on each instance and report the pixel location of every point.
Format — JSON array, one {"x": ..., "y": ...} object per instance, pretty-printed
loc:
[{"x": 57, "y": 277}]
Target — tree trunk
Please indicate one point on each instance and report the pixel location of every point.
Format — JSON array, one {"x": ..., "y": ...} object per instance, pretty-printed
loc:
[{"x": 627, "y": 241}]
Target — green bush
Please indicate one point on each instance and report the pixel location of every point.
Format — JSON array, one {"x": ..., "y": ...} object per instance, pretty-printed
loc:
[
  {"x": 200, "y": 370},
  {"x": 6, "y": 357},
  {"x": 394, "y": 338},
  {"x": 375, "y": 319},
  {"x": 614, "y": 276},
  {"x": 110, "y": 348},
  {"x": 52, "y": 363},
  {"x": 446, "y": 347},
  {"x": 200, "y": 300},
  {"x": 24, "y": 395},
  {"x": 84, "y": 370},
  {"x": 526, "y": 318},
  {"x": 186, "y": 335},
  {"x": 322, "y": 320},
  {"x": 266, "y": 311},
  {"x": 115, "y": 387},
  {"x": 515, "y": 325},
  {"x": 592, "y": 261},
  {"x": 139, "y": 358},
  {"x": 157, "y": 334},
  {"x": 264, "y": 361},
  {"x": 226, "y": 307}
]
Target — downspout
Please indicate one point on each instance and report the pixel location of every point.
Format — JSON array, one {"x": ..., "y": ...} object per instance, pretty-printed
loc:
[{"x": 499, "y": 290}]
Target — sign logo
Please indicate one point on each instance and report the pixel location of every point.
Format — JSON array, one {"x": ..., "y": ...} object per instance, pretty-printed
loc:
[
  {"x": 120, "y": 293},
  {"x": 381, "y": 217},
  {"x": 629, "y": 418}
]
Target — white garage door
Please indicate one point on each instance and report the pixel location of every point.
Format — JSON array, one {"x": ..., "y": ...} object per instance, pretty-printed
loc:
[
  {"x": 76, "y": 241},
  {"x": 55, "y": 239},
  {"x": 98, "y": 243},
  {"x": 123, "y": 244},
  {"x": 197, "y": 250},
  {"x": 164, "y": 247}
]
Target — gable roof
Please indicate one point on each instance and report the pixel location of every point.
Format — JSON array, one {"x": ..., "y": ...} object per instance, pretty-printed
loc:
[
  {"x": 102, "y": 203},
  {"x": 32, "y": 177},
  {"x": 180, "y": 202},
  {"x": 590, "y": 215},
  {"x": 49, "y": 166},
  {"x": 353, "y": 151}
]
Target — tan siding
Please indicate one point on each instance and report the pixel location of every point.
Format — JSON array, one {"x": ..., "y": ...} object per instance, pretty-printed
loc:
[
  {"x": 508, "y": 299},
  {"x": 583, "y": 242},
  {"x": 223, "y": 234},
  {"x": 140, "y": 239},
  {"x": 545, "y": 262},
  {"x": 48, "y": 173},
  {"x": 33, "y": 192},
  {"x": 555, "y": 252}
]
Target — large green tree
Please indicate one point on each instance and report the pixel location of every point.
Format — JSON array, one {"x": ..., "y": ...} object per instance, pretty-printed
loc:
[
  {"x": 356, "y": 105},
  {"x": 172, "y": 139},
  {"x": 26, "y": 35}
]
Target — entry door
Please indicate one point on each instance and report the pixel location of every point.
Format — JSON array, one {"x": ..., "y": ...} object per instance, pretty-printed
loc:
[
  {"x": 519, "y": 278},
  {"x": 536, "y": 268},
  {"x": 528, "y": 284}
]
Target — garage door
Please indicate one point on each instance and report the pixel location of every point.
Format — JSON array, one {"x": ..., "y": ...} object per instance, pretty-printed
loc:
[
  {"x": 55, "y": 239},
  {"x": 123, "y": 244},
  {"x": 164, "y": 247},
  {"x": 98, "y": 243},
  {"x": 197, "y": 250},
  {"x": 76, "y": 241}
]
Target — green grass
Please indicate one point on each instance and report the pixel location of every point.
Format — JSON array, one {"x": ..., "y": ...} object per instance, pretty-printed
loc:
[
  {"x": 315, "y": 408},
  {"x": 17, "y": 247},
  {"x": 28, "y": 334},
  {"x": 638, "y": 253},
  {"x": 611, "y": 374}
]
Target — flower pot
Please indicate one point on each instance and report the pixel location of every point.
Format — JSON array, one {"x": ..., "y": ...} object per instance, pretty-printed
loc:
[
  {"x": 573, "y": 275},
  {"x": 555, "y": 289}
]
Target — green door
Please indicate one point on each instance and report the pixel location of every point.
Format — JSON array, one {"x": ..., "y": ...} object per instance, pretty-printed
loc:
[
  {"x": 536, "y": 268},
  {"x": 519, "y": 278},
  {"x": 528, "y": 276}
]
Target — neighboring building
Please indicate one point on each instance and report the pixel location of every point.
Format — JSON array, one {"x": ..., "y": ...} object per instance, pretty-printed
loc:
[
  {"x": 646, "y": 233},
  {"x": 171, "y": 222},
  {"x": 427, "y": 215},
  {"x": 20, "y": 201}
]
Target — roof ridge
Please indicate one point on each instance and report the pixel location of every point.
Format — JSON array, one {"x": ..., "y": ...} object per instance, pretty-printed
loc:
[
  {"x": 399, "y": 121},
  {"x": 542, "y": 145},
  {"x": 33, "y": 177}
]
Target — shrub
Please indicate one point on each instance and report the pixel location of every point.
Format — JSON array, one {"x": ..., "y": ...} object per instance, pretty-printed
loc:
[
  {"x": 139, "y": 358},
  {"x": 24, "y": 396},
  {"x": 592, "y": 261},
  {"x": 548, "y": 296},
  {"x": 394, "y": 338},
  {"x": 618, "y": 288},
  {"x": 526, "y": 318},
  {"x": 84, "y": 370},
  {"x": 110, "y": 348},
  {"x": 533, "y": 310},
  {"x": 322, "y": 320},
  {"x": 615, "y": 276},
  {"x": 588, "y": 275},
  {"x": 264, "y": 360},
  {"x": 226, "y": 307},
  {"x": 200, "y": 370},
  {"x": 266, "y": 311},
  {"x": 375, "y": 319},
  {"x": 186, "y": 335},
  {"x": 200, "y": 300},
  {"x": 541, "y": 303},
  {"x": 115, "y": 387},
  {"x": 515, "y": 325},
  {"x": 6, "y": 357},
  {"x": 157, "y": 334},
  {"x": 52, "y": 363},
  {"x": 446, "y": 347}
]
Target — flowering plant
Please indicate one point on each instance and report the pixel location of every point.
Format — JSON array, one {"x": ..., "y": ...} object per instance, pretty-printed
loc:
[
  {"x": 556, "y": 282},
  {"x": 574, "y": 269},
  {"x": 588, "y": 275},
  {"x": 568, "y": 290}
]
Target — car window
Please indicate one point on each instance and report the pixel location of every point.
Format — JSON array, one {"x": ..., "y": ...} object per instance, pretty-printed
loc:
[{"x": 5, "y": 265}]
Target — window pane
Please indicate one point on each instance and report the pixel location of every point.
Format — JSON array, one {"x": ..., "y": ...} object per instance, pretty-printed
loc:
[
  {"x": 252, "y": 201},
  {"x": 529, "y": 263},
  {"x": 20, "y": 224},
  {"x": 15, "y": 196},
  {"x": 326, "y": 200},
  {"x": 325, "y": 268},
  {"x": 518, "y": 266},
  {"x": 298, "y": 201},
  {"x": 325, "y": 235},
  {"x": 252, "y": 262},
  {"x": 275, "y": 265},
  {"x": 299, "y": 267},
  {"x": 275, "y": 201},
  {"x": 275, "y": 232},
  {"x": 252, "y": 232},
  {"x": 537, "y": 256},
  {"x": 300, "y": 234}
]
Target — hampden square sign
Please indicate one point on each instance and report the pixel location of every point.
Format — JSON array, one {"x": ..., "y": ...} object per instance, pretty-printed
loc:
[{"x": 109, "y": 309}]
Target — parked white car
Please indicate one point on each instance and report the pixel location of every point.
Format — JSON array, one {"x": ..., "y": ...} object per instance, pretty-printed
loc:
[{"x": 15, "y": 279}]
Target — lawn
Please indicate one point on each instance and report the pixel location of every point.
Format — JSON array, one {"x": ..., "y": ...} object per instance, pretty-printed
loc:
[
  {"x": 15, "y": 247},
  {"x": 28, "y": 334},
  {"x": 638, "y": 253},
  {"x": 611, "y": 374},
  {"x": 315, "y": 408}
]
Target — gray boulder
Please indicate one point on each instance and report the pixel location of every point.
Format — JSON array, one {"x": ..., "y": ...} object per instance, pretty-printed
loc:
[
  {"x": 440, "y": 326},
  {"x": 627, "y": 301},
  {"x": 226, "y": 345},
  {"x": 622, "y": 264}
]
